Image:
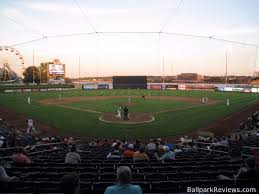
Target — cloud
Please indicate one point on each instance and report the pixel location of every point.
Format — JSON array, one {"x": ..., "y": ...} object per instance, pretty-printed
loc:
[
  {"x": 239, "y": 31},
  {"x": 71, "y": 8},
  {"x": 13, "y": 12}
]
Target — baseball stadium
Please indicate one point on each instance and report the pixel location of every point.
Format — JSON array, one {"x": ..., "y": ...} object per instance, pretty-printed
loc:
[{"x": 118, "y": 98}]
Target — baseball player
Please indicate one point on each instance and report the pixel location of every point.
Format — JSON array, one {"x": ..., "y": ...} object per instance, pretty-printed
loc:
[
  {"x": 228, "y": 103},
  {"x": 119, "y": 112},
  {"x": 29, "y": 100},
  {"x": 30, "y": 125},
  {"x": 203, "y": 100},
  {"x": 129, "y": 100},
  {"x": 206, "y": 99}
]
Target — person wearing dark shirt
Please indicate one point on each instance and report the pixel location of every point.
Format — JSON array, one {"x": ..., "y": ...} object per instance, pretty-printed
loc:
[
  {"x": 70, "y": 183},
  {"x": 126, "y": 113},
  {"x": 5, "y": 179},
  {"x": 248, "y": 171},
  {"x": 115, "y": 153}
]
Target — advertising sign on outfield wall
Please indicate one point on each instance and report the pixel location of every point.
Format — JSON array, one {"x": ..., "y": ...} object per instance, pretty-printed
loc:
[
  {"x": 26, "y": 90},
  {"x": 103, "y": 86},
  {"x": 255, "y": 90},
  {"x": 155, "y": 86},
  {"x": 228, "y": 89},
  {"x": 171, "y": 87},
  {"x": 181, "y": 87},
  {"x": 237, "y": 89},
  {"x": 90, "y": 86}
]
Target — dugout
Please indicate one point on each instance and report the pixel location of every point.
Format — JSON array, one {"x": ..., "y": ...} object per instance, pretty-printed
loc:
[{"x": 129, "y": 82}]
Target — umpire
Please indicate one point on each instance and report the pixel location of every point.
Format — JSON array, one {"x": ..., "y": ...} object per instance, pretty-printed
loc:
[{"x": 125, "y": 113}]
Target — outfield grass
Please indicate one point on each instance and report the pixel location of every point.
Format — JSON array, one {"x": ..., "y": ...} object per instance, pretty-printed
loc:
[{"x": 88, "y": 124}]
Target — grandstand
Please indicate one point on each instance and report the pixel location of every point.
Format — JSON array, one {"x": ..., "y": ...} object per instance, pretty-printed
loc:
[{"x": 194, "y": 165}]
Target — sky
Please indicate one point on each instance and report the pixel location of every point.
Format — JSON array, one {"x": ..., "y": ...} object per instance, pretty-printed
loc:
[{"x": 107, "y": 54}]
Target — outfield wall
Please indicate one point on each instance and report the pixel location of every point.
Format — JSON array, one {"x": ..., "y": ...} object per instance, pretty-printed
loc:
[
  {"x": 35, "y": 88},
  {"x": 246, "y": 89},
  {"x": 182, "y": 86},
  {"x": 129, "y": 82}
]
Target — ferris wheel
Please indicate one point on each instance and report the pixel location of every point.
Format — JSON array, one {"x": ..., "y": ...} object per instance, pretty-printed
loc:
[{"x": 11, "y": 64}]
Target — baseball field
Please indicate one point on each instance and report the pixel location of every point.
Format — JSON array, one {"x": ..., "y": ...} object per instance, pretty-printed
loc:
[{"x": 92, "y": 113}]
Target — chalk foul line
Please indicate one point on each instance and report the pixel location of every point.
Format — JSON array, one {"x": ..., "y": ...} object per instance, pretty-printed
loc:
[{"x": 80, "y": 109}]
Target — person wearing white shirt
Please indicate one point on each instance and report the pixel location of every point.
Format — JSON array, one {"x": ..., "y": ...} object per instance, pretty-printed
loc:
[{"x": 30, "y": 125}]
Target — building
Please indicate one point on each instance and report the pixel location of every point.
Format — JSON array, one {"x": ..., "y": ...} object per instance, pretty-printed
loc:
[
  {"x": 190, "y": 77},
  {"x": 254, "y": 81}
]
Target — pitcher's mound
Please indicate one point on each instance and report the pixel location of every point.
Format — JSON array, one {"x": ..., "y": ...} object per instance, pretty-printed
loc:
[{"x": 134, "y": 118}]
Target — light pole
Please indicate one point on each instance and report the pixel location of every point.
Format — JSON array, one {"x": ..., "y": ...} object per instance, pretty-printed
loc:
[
  {"x": 33, "y": 66},
  {"x": 226, "y": 67},
  {"x": 163, "y": 70},
  {"x": 40, "y": 74},
  {"x": 79, "y": 68},
  {"x": 227, "y": 50}
]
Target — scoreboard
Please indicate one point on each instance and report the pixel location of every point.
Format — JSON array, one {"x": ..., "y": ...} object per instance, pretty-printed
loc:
[{"x": 129, "y": 82}]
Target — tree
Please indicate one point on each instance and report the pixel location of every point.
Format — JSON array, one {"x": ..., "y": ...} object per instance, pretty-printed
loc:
[
  {"x": 68, "y": 80},
  {"x": 44, "y": 72},
  {"x": 31, "y": 74}
]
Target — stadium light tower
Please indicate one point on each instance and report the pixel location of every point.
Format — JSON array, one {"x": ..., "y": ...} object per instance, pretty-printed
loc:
[
  {"x": 228, "y": 49},
  {"x": 226, "y": 67},
  {"x": 79, "y": 69},
  {"x": 163, "y": 69},
  {"x": 33, "y": 65}
]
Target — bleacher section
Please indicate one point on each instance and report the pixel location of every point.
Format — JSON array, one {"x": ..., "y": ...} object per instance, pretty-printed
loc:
[{"x": 194, "y": 166}]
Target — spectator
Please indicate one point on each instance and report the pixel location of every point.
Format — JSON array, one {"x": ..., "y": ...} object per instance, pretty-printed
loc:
[
  {"x": 70, "y": 140},
  {"x": 20, "y": 156},
  {"x": 248, "y": 171},
  {"x": 137, "y": 144},
  {"x": 72, "y": 157},
  {"x": 114, "y": 142},
  {"x": 115, "y": 154},
  {"x": 119, "y": 145},
  {"x": 13, "y": 138},
  {"x": 171, "y": 146},
  {"x": 129, "y": 152},
  {"x": 160, "y": 144},
  {"x": 123, "y": 186},
  {"x": 140, "y": 155},
  {"x": 223, "y": 142},
  {"x": 151, "y": 146},
  {"x": 92, "y": 143},
  {"x": 2, "y": 121},
  {"x": 106, "y": 144},
  {"x": 70, "y": 183},
  {"x": 214, "y": 143},
  {"x": 99, "y": 143},
  {"x": 4, "y": 178},
  {"x": 2, "y": 142},
  {"x": 177, "y": 149},
  {"x": 168, "y": 155},
  {"x": 124, "y": 143}
]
